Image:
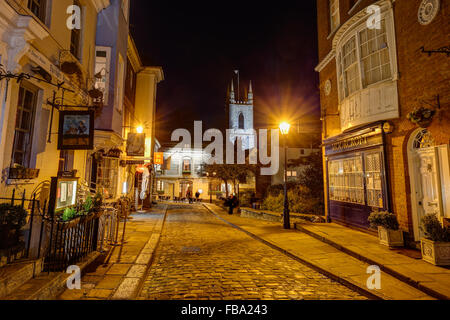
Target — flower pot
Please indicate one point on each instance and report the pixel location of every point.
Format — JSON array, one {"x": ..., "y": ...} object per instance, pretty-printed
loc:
[
  {"x": 425, "y": 123},
  {"x": 437, "y": 253},
  {"x": 390, "y": 238}
]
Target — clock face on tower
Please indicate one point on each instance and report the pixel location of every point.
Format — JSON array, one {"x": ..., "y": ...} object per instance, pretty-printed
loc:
[{"x": 428, "y": 10}]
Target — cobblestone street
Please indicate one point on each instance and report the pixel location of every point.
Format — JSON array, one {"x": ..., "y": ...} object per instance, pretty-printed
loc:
[{"x": 200, "y": 257}]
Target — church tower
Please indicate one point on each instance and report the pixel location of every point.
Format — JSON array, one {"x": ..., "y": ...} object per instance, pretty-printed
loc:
[{"x": 241, "y": 117}]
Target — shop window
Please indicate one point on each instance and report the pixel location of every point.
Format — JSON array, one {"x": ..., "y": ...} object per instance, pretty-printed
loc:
[
  {"x": 107, "y": 173},
  {"x": 23, "y": 134},
  {"x": 38, "y": 8},
  {"x": 334, "y": 15},
  {"x": 346, "y": 180},
  {"x": 102, "y": 63},
  {"x": 160, "y": 186},
  {"x": 374, "y": 180}
]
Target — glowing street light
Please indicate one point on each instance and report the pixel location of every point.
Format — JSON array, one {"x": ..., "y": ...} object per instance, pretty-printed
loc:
[
  {"x": 284, "y": 128},
  {"x": 140, "y": 129}
]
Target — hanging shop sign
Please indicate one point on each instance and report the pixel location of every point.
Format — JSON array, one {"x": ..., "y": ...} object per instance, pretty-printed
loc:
[
  {"x": 113, "y": 153},
  {"x": 136, "y": 144},
  {"x": 159, "y": 158},
  {"x": 76, "y": 130}
]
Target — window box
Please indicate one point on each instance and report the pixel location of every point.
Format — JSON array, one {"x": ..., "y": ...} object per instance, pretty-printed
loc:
[{"x": 23, "y": 173}]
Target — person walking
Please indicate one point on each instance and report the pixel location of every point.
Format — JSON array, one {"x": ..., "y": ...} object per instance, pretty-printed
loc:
[
  {"x": 197, "y": 196},
  {"x": 189, "y": 195},
  {"x": 232, "y": 202}
]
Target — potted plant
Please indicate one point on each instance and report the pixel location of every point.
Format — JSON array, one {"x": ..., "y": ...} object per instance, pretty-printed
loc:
[
  {"x": 70, "y": 68},
  {"x": 421, "y": 116},
  {"x": 389, "y": 233},
  {"x": 12, "y": 219},
  {"x": 436, "y": 244}
]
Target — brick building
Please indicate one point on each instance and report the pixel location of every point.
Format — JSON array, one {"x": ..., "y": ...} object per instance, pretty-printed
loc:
[{"x": 375, "y": 70}]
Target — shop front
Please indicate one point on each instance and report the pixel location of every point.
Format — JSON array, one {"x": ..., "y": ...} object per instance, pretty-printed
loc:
[{"x": 356, "y": 176}]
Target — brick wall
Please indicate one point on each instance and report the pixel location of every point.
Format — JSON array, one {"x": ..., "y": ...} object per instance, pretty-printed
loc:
[{"x": 420, "y": 78}]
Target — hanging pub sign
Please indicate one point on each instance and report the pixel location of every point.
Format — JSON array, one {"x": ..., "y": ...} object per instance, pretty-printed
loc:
[
  {"x": 113, "y": 153},
  {"x": 136, "y": 144},
  {"x": 76, "y": 130},
  {"x": 159, "y": 158}
]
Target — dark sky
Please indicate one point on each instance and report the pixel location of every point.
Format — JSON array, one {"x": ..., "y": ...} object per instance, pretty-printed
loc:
[{"x": 199, "y": 44}]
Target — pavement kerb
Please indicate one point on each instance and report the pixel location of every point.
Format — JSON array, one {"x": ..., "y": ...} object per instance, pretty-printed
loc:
[
  {"x": 132, "y": 284},
  {"x": 348, "y": 283},
  {"x": 390, "y": 271}
]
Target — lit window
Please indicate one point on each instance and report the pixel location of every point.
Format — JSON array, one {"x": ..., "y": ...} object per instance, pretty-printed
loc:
[
  {"x": 374, "y": 51},
  {"x": 294, "y": 173},
  {"x": 186, "y": 165},
  {"x": 363, "y": 60},
  {"x": 107, "y": 172},
  {"x": 102, "y": 62},
  {"x": 24, "y": 125},
  {"x": 160, "y": 186},
  {"x": 334, "y": 14}
]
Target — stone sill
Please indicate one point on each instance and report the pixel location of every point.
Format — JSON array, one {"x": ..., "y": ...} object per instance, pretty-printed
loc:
[{"x": 17, "y": 182}]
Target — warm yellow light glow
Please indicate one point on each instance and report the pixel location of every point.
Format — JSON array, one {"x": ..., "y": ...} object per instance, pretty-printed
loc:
[
  {"x": 140, "y": 129},
  {"x": 284, "y": 128}
]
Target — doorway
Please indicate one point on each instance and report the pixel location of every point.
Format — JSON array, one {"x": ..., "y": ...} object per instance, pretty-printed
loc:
[{"x": 423, "y": 162}]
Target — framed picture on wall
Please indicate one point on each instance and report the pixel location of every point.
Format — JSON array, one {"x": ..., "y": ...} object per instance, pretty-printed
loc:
[{"x": 76, "y": 130}]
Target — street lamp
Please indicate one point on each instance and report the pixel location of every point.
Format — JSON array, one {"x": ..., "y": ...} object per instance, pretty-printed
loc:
[
  {"x": 140, "y": 129},
  {"x": 284, "y": 128}
]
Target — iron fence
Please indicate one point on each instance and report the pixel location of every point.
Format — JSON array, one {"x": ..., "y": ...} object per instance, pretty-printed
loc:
[{"x": 61, "y": 243}]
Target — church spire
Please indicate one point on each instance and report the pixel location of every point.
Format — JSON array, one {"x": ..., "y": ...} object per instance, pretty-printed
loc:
[
  {"x": 250, "y": 94},
  {"x": 232, "y": 96}
]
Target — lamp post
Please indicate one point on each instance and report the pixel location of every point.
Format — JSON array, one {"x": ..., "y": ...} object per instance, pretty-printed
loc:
[{"x": 284, "y": 128}]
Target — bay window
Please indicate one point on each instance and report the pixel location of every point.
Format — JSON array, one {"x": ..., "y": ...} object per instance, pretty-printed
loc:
[{"x": 363, "y": 60}]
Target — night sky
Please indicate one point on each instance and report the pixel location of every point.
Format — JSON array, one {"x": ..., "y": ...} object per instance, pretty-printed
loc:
[{"x": 199, "y": 44}]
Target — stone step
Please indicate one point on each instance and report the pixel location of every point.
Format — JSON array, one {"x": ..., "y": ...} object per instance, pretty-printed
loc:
[
  {"x": 14, "y": 275},
  {"x": 47, "y": 286}
]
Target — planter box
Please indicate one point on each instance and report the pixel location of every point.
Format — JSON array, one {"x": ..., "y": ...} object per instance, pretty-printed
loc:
[
  {"x": 390, "y": 238},
  {"x": 437, "y": 253},
  {"x": 23, "y": 173}
]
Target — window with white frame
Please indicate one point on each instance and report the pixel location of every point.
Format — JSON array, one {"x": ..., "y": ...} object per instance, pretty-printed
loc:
[
  {"x": 160, "y": 186},
  {"x": 186, "y": 165},
  {"x": 334, "y": 14},
  {"x": 102, "y": 70},
  {"x": 23, "y": 134},
  {"x": 375, "y": 62},
  {"x": 363, "y": 60},
  {"x": 348, "y": 68}
]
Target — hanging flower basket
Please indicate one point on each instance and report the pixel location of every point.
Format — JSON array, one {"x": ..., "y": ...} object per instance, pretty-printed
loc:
[
  {"x": 95, "y": 93},
  {"x": 70, "y": 68},
  {"x": 421, "y": 117}
]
